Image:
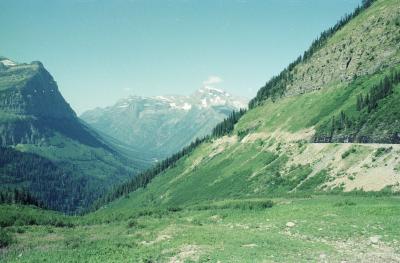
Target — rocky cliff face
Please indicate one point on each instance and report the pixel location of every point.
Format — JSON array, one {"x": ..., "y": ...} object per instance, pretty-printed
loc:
[{"x": 370, "y": 42}]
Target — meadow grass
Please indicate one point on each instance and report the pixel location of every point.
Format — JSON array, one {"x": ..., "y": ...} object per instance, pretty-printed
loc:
[{"x": 253, "y": 230}]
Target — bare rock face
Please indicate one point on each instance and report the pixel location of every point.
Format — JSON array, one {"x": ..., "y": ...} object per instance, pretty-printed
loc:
[{"x": 367, "y": 44}]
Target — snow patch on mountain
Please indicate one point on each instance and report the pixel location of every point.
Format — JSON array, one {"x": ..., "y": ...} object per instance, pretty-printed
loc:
[
  {"x": 7, "y": 62},
  {"x": 164, "y": 124},
  {"x": 205, "y": 97}
]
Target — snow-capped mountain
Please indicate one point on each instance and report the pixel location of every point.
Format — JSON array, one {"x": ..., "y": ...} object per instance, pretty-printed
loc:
[{"x": 162, "y": 125}]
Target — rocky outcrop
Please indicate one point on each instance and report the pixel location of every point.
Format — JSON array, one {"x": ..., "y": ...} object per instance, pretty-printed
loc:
[{"x": 367, "y": 44}]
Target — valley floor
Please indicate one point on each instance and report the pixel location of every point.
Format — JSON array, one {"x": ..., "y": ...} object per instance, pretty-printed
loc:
[{"x": 313, "y": 229}]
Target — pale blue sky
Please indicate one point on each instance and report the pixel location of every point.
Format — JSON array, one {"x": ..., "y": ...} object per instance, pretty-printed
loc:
[{"x": 99, "y": 51}]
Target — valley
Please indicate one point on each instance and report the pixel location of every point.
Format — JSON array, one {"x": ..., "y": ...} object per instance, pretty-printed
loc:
[{"x": 308, "y": 172}]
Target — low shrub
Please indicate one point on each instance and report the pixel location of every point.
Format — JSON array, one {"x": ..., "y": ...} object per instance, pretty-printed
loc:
[
  {"x": 348, "y": 152},
  {"x": 73, "y": 242},
  {"x": 132, "y": 223},
  {"x": 5, "y": 238},
  {"x": 381, "y": 151},
  {"x": 174, "y": 209},
  {"x": 242, "y": 205},
  {"x": 345, "y": 203}
]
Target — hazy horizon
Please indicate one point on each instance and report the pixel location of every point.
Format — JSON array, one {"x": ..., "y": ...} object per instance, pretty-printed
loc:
[{"x": 106, "y": 51}]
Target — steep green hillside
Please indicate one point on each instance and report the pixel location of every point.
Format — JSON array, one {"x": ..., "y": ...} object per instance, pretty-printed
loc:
[
  {"x": 272, "y": 156},
  {"x": 51, "y": 153},
  {"x": 270, "y": 151},
  {"x": 358, "y": 45}
]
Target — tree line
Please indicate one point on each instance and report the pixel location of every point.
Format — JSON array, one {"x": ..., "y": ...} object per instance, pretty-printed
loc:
[
  {"x": 19, "y": 196},
  {"x": 381, "y": 90},
  {"x": 227, "y": 125},
  {"x": 346, "y": 125},
  {"x": 54, "y": 184},
  {"x": 276, "y": 86}
]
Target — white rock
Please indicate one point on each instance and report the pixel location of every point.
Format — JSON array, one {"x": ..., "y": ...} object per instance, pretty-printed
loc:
[
  {"x": 290, "y": 224},
  {"x": 374, "y": 239}
]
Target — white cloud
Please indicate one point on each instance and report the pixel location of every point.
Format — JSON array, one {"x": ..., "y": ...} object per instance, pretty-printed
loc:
[{"x": 212, "y": 80}]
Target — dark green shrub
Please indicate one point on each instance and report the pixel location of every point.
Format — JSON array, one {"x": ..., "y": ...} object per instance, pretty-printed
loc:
[
  {"x": 132, "y": 223},
  {"x": 381, "y": 151},
  {"x": 174, "y": 209},
  {"x": 312, "y": 183},
  {"x": 73, "y": 242},
  {"x": 61, "y": 223},
  {"x": 6, "y": 220},
  {"x": 345, "y": 203},
  {"x": 348, "y": 152},
  {"x": 5, "y": 238},
  {"x": 266, "y": 204},
  {"x": 20, "y": 230}
]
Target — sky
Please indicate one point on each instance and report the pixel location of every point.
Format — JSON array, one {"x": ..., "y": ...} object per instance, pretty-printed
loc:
[{"x": 99, "y": 51}]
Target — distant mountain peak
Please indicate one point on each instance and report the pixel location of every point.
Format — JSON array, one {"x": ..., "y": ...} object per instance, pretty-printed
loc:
[
  {"x": 212, "y": 90},
  {"x": 209, "y": 96},
  {"x": 204, "y": 97},
  {"x": 164, "y": 124}
]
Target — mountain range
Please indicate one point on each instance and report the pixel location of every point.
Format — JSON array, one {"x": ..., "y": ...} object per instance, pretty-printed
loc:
[
  {"x": 162, "y": 125},
  {"x": 309, "y": 172}
]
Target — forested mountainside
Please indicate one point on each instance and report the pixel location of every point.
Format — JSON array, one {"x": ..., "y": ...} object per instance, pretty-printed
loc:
[
  {"x": 160, "y": 126},
  {"x": 48, "y": 150}
]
